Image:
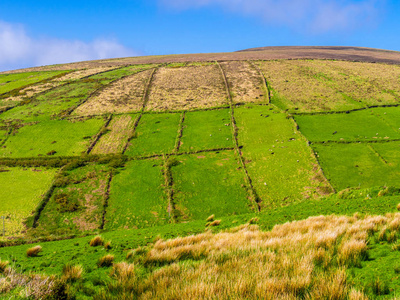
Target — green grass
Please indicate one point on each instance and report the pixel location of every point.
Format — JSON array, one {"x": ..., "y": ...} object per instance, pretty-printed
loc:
[
  {"x": 353, "y": 165},
  {"x": 207, "y": 130},
  {"x": 391, "y": 115},
  {"x": 137, "y": 197},
  {"x": 21, "y": 191},
  {"x": 109, "y": 76},
  {"x": 355, "y": 126},
  {"x": 77, "y": 204},
  {"x": 9, "y": 82},
  {"x": 390, "y": 152},
  {"x": 66, "y": 137},
  {"x": 278, "y": 159},
  {"x": 209, "y": 183},
  {"x": 155, "y": 134}
]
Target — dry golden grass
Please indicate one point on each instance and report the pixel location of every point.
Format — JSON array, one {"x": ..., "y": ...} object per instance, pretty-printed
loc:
[
  {"x": 186, "y": 88},
  {"x": 114, "y": 141},
  {"x": 72, "y": 273},
  {"x": 344, "y": 78},
  {"x": 32, "y": 91},
  {"x": 84, "y": 73},
  {"x": 300, "y": 91},
  {"x": 245, "y": 83},
  {"x": 3, "y": 265},
  {"x": 121, "y": 96},
  {"x": 34, "y": 251},
  {"x": 302, "y": 259},
  {"x": 96, "y": 241},
  {"x": 106, "y": 260},
  {"x": 123, "y": 271}
]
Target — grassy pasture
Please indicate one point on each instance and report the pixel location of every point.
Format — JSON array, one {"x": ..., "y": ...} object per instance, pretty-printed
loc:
[
  {"x": 109, "y": 76},
  {"x": 207, "y": 130},
  {"x": 155, "y": 134},
  {"x": 209, "y": 183},
  {"x": 183, "y": 88},
  {"x": 21, "y": 191},
  {"x": 79, "y": 74},
  {"x": 361, "y": 125},
  {"x": 77, "y": 203},
  {"x": 277, "y": 157},
  {"x": 137, "y": 198},
  {"x": 121, "y": 96},
  {"x": 245, "y": 83},
  {"x": 356, "y": 165},
  {"x": 65, "y": 137},
  {"x": 391, "y": 115},
  {"x": 349, "y": 84},
  {"x": 296, "y": 90},
  {"x": 118, "y": 132},
  {"x": 9, "y": 82},
  {"x": 390, "y": 152}
]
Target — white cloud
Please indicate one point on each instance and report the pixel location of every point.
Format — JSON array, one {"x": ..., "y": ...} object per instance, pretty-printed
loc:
[
  {"x": 18, "y": 49},
  {"x": 317, "y": 16}
]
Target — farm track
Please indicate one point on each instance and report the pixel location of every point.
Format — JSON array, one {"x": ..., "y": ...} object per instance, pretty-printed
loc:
[
  {"x": 253, "y": 194},
  {"x": 99, "y": 134},
  {"x": 144, "y": 103},
  {"x": 105, "y": 201}
]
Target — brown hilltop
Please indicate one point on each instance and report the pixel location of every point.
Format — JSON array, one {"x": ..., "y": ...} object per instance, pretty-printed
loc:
[{"x": 262, "y": 53}]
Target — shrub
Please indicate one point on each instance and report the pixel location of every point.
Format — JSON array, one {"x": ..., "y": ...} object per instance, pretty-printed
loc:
[
  {"x": 106, "y": 261},
  {"x": 96, "y": 241},
  {"x": 72, "y": 273},
  {"x": 34, "y": 251}
]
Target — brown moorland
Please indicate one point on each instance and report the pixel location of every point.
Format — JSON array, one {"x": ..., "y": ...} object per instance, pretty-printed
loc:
[
  {"x": 264, "y": 53},
  {"x": 189, "y": 87}
]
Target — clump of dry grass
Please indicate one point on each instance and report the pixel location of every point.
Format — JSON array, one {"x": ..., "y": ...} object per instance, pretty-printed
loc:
[
  {"x": 34, "y": 251},
  {"x": 302, "y": 259},
  {"x": 123, "y": 271},
  {"x": 71, "y": 272},
  {"x": 3, "y": 265},
  {"x": 214, "y": 223},
  {"x": 106, "y": 260},
  {"x": 96, "y": 241},
  {"x": 210, "y": 218},
  {"x": 398, "y": 207},
  {"x": 107, "y": 245}
]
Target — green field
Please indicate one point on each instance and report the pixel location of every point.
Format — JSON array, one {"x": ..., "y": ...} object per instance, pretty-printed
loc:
[
  {"x": 137, "y": 198},
  {"x": 356, "y": 165},
  {"x": 361, "y": 125},
  {"x": 277, "y": 157},
  {"x": 65, "y": 137},
  {"x": 21, "y": 191},
  {"x": 209, "y": 183},
  {"x": 207, "y": 130},
  {"x": 77, "y": 202},
  {"x": 155, "y": 134},
  {"x": 9, "y": 82}
]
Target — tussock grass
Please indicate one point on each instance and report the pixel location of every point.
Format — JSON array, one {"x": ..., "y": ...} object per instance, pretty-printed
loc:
[
  {"x": 34, "y": 251},
  {"x": 71, "y": 272},
  {"x": 106, "y": 260},
  {"x": 3, "y": 265},
  {"x": 96, "y": 241},
  {"x": 303, "y": 259}
]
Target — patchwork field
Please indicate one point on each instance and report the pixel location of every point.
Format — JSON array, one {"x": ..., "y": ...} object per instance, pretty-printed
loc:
[
  {"x": 21, "y": 191},
  {"x": 139, "y": 153},
  {"x": 187, "y": 87}
]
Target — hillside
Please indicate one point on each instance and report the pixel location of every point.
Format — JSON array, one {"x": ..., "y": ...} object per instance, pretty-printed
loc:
[{"x": 149, "y": 148}]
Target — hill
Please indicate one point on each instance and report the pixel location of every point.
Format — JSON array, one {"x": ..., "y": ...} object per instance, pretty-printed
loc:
[{"x": 145, "y": 149}]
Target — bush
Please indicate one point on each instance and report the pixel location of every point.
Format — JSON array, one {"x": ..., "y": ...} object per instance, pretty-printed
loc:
[
  {"x": 34, "y": 251},
  {"x": 106, "y": 261},
  {"x": 96, "y": 241}
]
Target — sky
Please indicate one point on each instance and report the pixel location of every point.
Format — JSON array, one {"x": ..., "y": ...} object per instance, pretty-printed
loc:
[{"x": 42, "y": 32}]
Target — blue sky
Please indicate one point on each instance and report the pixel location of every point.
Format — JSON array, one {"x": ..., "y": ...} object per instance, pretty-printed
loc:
[{"x": 46, "y": 32}]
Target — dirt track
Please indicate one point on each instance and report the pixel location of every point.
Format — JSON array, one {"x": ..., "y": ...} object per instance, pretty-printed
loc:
[{"x": 264, "y": 53}]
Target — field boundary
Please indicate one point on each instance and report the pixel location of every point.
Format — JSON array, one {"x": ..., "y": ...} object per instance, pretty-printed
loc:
[
  {"x": 253, "y": 194},
  {"x": 343, "y": 111},
  {"x": 9, "y": 130},
  {"x": 105, "y": 201},
  {"x": 354, "y": 142},
  {"x": 267, "y": 91},
  {"x": 169, "y": 188},
  {"x": 180, "y": 133},
  {"x": 297, "y": 128},
  {"x": 97, "y": 137},
  {"x": 377, "y": 154},
  {"x": 144, "y": 103}
]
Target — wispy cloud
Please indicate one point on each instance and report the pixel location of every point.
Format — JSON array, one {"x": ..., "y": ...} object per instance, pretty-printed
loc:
[
  {"x": 18, "y": 49},
  {"x": 316, "y": 16}
]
